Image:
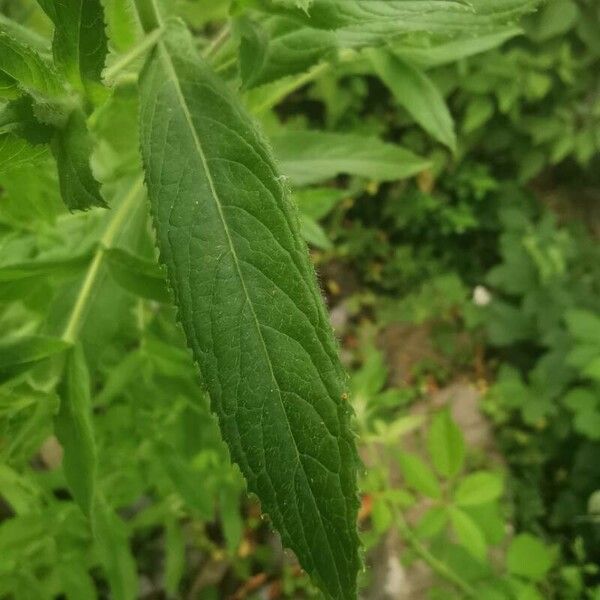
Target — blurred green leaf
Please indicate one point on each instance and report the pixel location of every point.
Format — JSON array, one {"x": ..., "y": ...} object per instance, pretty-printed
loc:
[
  {"x": 446, "y": 445},
  {"x": 313, "y": 156},
  {"x": 417, "y": 94},
  {"x": 468, "y": 533},
  {"x": 419, "y": 476},
  {"x": 174, "y": 556},
  {"x": 75, "y": 431},
  {"x": 314, "y": 234},
  {"x": 529, "y": 557},
  {"x": 112, "y": 547},
  {"x": 478, "y": 488},
  {"x": 21, "y": 354},
  {"x": 137, "y": 275}
]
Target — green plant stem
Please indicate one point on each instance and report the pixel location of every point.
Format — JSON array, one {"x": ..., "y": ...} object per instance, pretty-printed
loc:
[
  {"x": 85, "y": 293},
  {"x": 148, "y": 14},
  {"x": 217, "y": 41},
  {"x": 436, "y": 565},
  {"x": 126, "y": 59}
]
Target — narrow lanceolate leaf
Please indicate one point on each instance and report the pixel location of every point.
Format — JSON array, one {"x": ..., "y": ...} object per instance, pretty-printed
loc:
[
  {"x": 72, "y": 147},
  {"x": 80, "y": 44},
  {"x": 74, "y": 430},
  {"x": 366, "y": 22},
  {"x": 250, "y": 308},
  {"x": 417, "y": 94},
  {"x": 312, "y": 156},
  {"x": 111, "y": 544}
]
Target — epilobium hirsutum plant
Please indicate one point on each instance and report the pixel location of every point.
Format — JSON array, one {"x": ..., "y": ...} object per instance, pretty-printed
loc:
[{"x": 228, "y": 234}]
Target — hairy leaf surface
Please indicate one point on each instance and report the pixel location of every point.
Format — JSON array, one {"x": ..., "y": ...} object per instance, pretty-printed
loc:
[{"x": 250, "y": 308}]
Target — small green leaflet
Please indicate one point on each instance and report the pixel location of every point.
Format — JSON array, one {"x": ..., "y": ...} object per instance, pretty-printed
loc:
[
  {"x": 468, "y": 533},
  {"x": 313, "y": 156},
  {"x": 250, "y": 308},
  {"x": 72, "y": 147},
  {"x": 74, "y": 429},
  {"x": 446, "y": 445},
  {"x": 80, "y": 44},
  {"x": 417, "y": 94}
]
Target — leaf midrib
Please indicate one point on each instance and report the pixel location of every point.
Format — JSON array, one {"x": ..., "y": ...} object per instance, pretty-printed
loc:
[{"x": 168, "y": 63}]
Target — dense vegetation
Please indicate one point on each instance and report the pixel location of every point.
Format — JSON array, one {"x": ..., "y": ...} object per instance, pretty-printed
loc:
[{"x": 445, "y": 168}]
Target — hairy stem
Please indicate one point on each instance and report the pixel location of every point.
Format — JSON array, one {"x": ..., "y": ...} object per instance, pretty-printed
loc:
[{"x": 87, "y": 287}]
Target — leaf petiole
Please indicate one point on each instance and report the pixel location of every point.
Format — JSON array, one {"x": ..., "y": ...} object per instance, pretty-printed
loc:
[{"x": 85, "y": 293}]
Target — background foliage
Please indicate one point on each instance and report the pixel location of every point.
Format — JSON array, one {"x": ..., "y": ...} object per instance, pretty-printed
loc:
[{"x": 448, "y": 188}]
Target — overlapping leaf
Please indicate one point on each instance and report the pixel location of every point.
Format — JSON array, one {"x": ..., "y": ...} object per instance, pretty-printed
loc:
[{"x": 250, "y": 308}]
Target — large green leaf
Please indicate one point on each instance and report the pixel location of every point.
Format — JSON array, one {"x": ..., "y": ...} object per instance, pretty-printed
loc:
[
  {"x": 250, "y": 308},
  {"x": 80, "y": 44},
  {"x": 312, "y": 156}
]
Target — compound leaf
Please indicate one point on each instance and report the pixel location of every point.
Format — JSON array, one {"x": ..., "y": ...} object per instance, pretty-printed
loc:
[{"x": 250, "y": 308}]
